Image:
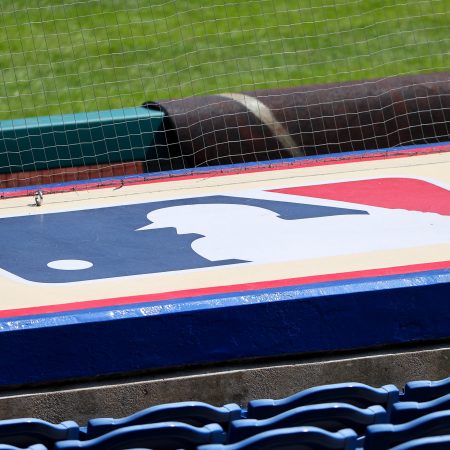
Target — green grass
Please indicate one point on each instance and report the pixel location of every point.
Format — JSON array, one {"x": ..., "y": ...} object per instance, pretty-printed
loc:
[{"x": 62, "y": 56}]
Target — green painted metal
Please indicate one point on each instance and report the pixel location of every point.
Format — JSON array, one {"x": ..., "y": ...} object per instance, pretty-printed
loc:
[{"x": 72, "y": 140}]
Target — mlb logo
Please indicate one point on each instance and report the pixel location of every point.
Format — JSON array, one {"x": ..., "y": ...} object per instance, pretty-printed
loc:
[{"x": 268, "y": 226}]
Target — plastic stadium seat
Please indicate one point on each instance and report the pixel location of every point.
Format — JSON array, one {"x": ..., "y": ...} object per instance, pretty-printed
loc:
[
  {"x": 31, "y": 447},
  {"x": 349, "y": 416},
  {"x": 162, "y": 436},
  {"x": 357, "y": 394},
  {"x": 385, "y": 436},
  {"x": 422, "y": 391},
  {"x": 329, "y": 416},
  {"x": 193, "y": 413},
  {"x": 26, "y": 432},
  {"x": 429, "y": 443},
  {"x": 306, "y": 438},
  {"x": 407, "y": 411}
]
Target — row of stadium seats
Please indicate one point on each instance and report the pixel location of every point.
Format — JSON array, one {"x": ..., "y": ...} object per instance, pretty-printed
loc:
[{"x": 347, "y": 416}]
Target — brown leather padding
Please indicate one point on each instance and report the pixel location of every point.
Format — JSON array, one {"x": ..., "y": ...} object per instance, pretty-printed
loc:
[{"x": 321, "y": 119}]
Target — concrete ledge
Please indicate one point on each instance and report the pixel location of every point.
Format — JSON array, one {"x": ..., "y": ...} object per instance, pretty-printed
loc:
[{"x": 220, "y": 387}]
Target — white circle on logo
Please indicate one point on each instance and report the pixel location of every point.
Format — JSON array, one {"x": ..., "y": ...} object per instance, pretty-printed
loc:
[{"x": 69, "y": 264}]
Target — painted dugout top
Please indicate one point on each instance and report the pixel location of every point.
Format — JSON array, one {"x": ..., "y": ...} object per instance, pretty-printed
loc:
[{"x": 230, "y": 230}]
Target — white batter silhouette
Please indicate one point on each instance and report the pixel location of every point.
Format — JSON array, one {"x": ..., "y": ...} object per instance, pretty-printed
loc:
[{"x": 257, "y": 234}]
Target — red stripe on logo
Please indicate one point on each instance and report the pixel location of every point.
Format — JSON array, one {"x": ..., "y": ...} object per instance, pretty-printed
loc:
[{"x": 394, "y": 193}]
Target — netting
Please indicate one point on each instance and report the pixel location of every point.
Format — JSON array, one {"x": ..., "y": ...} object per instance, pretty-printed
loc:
[{"x": 193, "y": 60}]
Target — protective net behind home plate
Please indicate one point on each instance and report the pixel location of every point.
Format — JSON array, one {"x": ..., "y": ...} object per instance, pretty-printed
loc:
[{"x": 236, "y": 82}]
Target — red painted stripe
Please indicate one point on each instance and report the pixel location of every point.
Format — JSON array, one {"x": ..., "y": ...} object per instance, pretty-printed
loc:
[
  {"x": 166, "y": 296},
  {"x": 394, "y": 193},
  {"x": 264, "y": 167}
]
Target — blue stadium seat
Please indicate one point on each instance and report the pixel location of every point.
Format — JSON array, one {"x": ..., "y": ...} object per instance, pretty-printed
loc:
[
  {"x": 192, "y": 413},
  {"x": 164, "y": 435},
  {"x": 356, "y": 394},
  {"x": 406, "y": 411},
  {"x": 349, "y": 416},
  {"x": 26, "y": 432},
  {"x": 306, "y": 438},
  {"x": 31, "y": 447},
  {"x": 429, "y": 443},
  {"x": 423, "y": 391},
  {"x": 329, "y": 416},
  {"x": 385, "y": 436}
]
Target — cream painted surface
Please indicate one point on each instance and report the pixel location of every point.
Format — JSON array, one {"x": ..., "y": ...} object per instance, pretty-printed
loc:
[
  {"x": 17, "y": 293},
  {"x": 435, "y": 167}
]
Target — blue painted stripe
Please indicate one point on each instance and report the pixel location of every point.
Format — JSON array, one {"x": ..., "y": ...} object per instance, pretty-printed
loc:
[
  {"x": 224, "y": 168},
  {"x": 214, "y": 301},
  {"x": 243, "y": 327}
]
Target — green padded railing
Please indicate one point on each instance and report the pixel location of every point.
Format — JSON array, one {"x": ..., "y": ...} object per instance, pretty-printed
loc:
[{"x": 72, "y": 140}]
